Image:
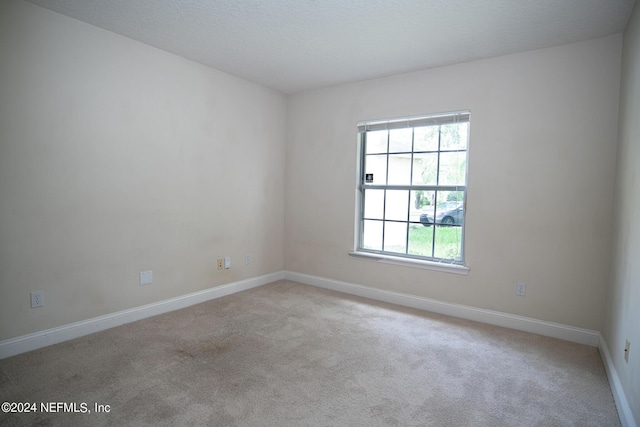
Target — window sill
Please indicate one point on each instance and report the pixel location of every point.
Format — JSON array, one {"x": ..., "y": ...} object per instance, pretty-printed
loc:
[{"x": 408, "y": 262}]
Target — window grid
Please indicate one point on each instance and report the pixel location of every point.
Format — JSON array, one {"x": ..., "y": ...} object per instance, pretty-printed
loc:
[{"x": 411, "y": 189}]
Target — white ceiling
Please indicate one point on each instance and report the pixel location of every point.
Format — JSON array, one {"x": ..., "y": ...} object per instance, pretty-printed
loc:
[{"x": 294, "y": 45}]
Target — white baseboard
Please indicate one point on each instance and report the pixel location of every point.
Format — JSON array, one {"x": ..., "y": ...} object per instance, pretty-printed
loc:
[
  {"x": 622, "y": 404},
  {"x": 59, "y": 334},
  {"x": 527, "y": 324},
  {"x": 37, "y": 340},
  {"x": 14, "y": 346}
]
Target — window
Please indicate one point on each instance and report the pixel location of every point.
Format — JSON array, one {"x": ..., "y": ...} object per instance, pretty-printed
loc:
[{"x": 413, "y": 187}]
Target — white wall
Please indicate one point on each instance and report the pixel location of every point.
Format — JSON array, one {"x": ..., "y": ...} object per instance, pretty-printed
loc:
[
  {"x": 541, "y": 178},
  {"x": 115, "y": 158},
  {"x": 623, "y": 311}
]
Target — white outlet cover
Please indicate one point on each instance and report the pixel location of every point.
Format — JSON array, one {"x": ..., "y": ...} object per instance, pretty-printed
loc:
[
  {"x": 227, "y": 262},
  {"x": 37, "y": 299},
  {"x": 521, "y": 289},
  {"x": 146, "y": 277}
]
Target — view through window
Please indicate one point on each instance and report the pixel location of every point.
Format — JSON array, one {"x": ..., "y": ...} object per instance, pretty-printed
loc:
[{"x": 413, "y": 186}]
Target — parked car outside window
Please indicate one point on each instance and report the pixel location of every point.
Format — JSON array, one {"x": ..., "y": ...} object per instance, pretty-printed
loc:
[{"x": 449, "y": 213}]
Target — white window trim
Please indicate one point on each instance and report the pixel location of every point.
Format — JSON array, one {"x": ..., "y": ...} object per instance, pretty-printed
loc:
[
  {"x": 411, "y": 262},
  {"x": 407, "y": 261}
]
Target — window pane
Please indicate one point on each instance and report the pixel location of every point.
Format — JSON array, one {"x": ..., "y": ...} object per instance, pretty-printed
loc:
[
  {"x": 425, "y": 138},
  {"x": 376, "y": 142},
  {"x": 377, "y": 165},
  {"x": 420, "y": 240},
  {"x": 448, "y": 242},
  {"x": 425, "y": 200},
  {"x": 372, "y": 235},
  {"x": 450, "y": 208},
  {"x": 397, "y": 205},
  {"x": 395, "y": 237},
  {"x": 424, "y": 168},
  {"x": 399, "y": 169},
  {"x": 374, "y": 204},
  {"x": 454, "y": 136},
  {"x": 400, "y": 140},
  {"x": 452, "y": 168},
  {"x": 419, "y": 203}
]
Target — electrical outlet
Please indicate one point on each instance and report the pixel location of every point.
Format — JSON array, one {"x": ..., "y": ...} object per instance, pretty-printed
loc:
[
  {"x": 37, "y": 299},
  {"x": 247, "y": 259},
  {"x": 220, "y": 263},
  {"x": 626, "y": 351},
  {"x": 521, "y": 289},
  {"x": 227, "y": 262},
  {"x": 146, "y": 278}
]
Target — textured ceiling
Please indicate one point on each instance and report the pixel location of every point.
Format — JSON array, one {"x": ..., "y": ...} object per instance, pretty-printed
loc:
[{"x": 294, "y": 45}]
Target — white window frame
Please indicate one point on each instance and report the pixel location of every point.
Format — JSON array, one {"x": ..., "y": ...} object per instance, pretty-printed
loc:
[{"x": 450, "y": 265}]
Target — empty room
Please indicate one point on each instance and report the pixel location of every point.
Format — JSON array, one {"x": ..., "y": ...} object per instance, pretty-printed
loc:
[{"x": 320, "y": 212}]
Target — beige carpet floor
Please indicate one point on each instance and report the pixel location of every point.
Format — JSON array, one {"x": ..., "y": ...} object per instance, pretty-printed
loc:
[{"x": 287, "y": 354}]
